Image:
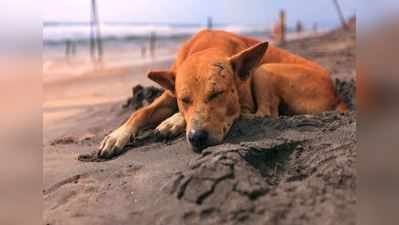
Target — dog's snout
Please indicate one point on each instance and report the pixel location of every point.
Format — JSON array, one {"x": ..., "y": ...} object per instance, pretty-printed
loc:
[{"x": 198, "y": 138}]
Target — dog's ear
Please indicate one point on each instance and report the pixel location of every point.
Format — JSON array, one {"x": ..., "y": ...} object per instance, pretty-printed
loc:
[
  {"x": 246, "y": 60},
  {"x": 164, "y": 78}
]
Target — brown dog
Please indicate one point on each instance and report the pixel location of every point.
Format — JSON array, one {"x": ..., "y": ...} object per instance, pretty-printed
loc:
[{"x": 218, "y": 77}]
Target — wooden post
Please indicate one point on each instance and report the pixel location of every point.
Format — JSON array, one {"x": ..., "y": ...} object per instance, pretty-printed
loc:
[
  {"x": 153, "y": 44},
  {"x": 209, "y": 23},
  {"x": 315, "y": 27},
  {"x": 98, "y": 35},
  {"x": 299, "y": 26},
  {"x": 92, "y": 39},
  {"x": 340, "y": 14},
  {"x": 282, "y": 27},
  {"x": 143, "y": 50},
  {"x": 95, "y": 35},
  {"x": 73, "y": 48},
  {"x": 67, "y": 49}
]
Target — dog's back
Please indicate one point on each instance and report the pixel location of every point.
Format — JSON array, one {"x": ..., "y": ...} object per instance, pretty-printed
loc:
[{"x": 233, "y": 43}]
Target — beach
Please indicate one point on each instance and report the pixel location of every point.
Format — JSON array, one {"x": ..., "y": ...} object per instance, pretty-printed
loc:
[{"x": 302, "y": 168}]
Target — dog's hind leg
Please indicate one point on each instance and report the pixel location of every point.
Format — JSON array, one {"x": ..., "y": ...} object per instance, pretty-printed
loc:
[
  {"x": 265, "y": 98},
  {"x": 172, "y": 127},
  {"x": 149, "y": 116}
]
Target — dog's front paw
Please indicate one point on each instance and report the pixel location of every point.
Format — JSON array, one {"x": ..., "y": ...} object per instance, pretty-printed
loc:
[
  {"x": 114, "y": 143},
  {"x": 252, "y": 116},
  {"x": 172, "y": 127},
  {"x": 247, "y": 116}
]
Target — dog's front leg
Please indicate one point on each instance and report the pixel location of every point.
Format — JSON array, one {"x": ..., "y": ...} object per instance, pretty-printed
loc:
[{"x": 148, "y": 116}]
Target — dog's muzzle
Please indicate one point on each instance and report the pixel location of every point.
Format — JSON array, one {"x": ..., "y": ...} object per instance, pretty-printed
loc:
[{"x": 198, "y": 139}]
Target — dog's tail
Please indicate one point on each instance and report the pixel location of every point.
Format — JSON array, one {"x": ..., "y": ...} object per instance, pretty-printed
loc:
[{"x": 341, "y": 106}]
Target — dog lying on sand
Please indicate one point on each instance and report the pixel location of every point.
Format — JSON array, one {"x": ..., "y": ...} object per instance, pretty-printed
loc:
[{"x": 219, "y": 77}]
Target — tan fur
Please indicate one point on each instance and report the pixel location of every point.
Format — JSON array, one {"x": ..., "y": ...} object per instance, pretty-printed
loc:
[{"x": 219, "y": 76}]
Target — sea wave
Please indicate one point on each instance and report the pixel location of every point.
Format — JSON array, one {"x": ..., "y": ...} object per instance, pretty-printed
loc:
[{"x": 59, "y": 32}]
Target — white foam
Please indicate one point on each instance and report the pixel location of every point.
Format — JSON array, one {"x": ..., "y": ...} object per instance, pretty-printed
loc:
[{"x": 62, "y": 32}]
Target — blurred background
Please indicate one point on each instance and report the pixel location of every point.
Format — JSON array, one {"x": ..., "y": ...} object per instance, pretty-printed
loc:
[{"x": 126, "y": 33}]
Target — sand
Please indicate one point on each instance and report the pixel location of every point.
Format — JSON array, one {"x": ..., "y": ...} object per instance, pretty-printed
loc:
[{"x": 291, "y": 170}]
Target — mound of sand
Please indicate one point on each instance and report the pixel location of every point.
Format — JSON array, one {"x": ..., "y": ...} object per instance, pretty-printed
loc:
[
  {"x": 291, "y": 170},
  {"x": 297, "y": 170}
]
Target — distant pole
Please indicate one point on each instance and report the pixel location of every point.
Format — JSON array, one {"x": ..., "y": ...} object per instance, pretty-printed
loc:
[
  {"x": 95, "y": 39},
  {"x": 282, "y": 27},
  {"x": 92, "y": 38},
  {"x": 73, "y": 49},
  {"x": 209, "y": 23},
  {"x": 68, "y": 49},
  {"x": 143, "y": 51},
  {"x": 153, "y": 43},
  {"x": 315, "y": 27},
  {"x": 299, "y": 26},
  {"x": 340, "y": 14}
]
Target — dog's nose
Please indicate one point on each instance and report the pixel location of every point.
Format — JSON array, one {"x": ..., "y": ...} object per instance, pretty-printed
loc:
[{"x": 198, "y": 138}]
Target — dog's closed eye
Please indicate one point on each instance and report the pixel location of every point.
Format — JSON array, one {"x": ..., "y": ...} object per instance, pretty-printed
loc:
[
  {"x": 214, "y": 95},
  {"x": 219, "y": 66}
]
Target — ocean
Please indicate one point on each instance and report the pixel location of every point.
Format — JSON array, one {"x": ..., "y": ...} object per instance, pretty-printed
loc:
[
  {"x": 58, "y": 33},
  {"x": 125, "y": 43}
]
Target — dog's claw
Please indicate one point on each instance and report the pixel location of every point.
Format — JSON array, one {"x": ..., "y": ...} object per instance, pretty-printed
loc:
[{"x": 114, "y": 143}]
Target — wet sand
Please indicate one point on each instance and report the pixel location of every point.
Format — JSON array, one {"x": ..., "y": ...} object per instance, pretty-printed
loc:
[{"x": 291, "y": 170}]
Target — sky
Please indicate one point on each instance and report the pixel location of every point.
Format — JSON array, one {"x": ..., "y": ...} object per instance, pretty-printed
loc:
[{"x": 240, "y": 12}]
